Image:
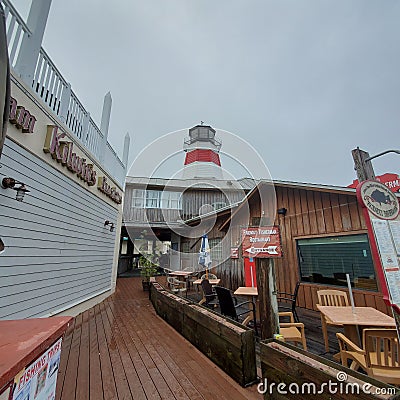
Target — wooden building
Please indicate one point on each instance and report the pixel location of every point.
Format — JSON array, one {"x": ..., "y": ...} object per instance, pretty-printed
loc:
[
  {"x": 323, "y": 235},
  {"x": 155, "y": 210}
]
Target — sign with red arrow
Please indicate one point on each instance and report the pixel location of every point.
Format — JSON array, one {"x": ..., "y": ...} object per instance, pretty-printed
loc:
[{"x": 261, "y": 242}]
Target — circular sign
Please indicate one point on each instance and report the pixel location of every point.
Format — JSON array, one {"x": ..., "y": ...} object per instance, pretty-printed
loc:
[{"x": 379, "y": 200}]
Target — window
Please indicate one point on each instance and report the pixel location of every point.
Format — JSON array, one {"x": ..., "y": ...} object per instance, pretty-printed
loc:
[
  {"x": 156, "y": 199},
  {"x": 171, "y": 200},
  {"x": 328, "y": 260},
  {"x": 215, "y": 249},
  {"x": 153, "y": 198},
  {"x": 138, "y": 198}
]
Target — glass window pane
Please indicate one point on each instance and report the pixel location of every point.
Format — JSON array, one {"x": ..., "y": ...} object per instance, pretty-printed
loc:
[{"x": 327, "y": 260}]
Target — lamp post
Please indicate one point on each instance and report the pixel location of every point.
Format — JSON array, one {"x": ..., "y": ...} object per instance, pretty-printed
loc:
[{"x": 363, "y": 165}]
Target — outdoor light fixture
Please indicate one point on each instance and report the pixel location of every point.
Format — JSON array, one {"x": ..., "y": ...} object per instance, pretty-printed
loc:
[
  {"x": 112, "y": 226},
  {"x": 11, "y": 183},
  {"x": 282, "y": 211}
]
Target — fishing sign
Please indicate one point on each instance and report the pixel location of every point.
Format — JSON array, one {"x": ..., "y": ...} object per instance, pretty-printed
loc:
[{"x": 262, "y": 242}]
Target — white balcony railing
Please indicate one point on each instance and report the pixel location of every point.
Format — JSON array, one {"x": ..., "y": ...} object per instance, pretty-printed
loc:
[{"x": 49, "y": 84}]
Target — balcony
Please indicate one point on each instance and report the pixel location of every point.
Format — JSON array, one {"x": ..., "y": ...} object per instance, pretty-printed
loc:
[{"x": 56, "y": 93}]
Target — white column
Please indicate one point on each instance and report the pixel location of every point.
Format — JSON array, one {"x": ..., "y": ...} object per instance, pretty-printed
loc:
[
  {"x": 30, "y": 46},
  {"x": 65, "y": 98},
  {"x": 105, "y": 123},
  {"x": 125, "y": 156}
]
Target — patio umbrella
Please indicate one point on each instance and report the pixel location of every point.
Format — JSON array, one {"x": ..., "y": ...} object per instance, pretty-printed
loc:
[{"x": 204, "y": 255}]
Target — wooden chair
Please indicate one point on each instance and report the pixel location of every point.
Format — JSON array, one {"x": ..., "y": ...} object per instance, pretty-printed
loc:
[
  {"x": 330, "y": 298},
  {"x": 380, "y": 356},
  {"x": 176, "y": 285},
  {"x": 229, "y": 306},
  {"x": 290, "y": 299},
  {"x": 292, "y": 331}
]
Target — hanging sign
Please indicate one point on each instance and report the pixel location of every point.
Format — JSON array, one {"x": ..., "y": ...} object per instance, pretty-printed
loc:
[
  {"x": 261, "y": 242},
  {"x": 381, "y": 211},
  {"x": 234, "y": 252}
]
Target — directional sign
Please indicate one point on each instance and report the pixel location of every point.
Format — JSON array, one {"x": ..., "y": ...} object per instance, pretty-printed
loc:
[{"x": 262, "y": 242}]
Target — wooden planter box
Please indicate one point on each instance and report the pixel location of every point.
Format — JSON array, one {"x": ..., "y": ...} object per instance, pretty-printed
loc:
[
  {"x": 228, "y": 344},
  {"x": 287, "y": 369}
]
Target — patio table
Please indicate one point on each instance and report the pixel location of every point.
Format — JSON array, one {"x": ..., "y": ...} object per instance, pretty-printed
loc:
[
  {"x": 253, "y": 293},
  {"x": 361, "y": 317}
]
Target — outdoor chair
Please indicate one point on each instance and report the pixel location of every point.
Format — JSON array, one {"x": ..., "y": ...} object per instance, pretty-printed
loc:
[
  {"x": 229, "y": 306},
  {"x": 329, "y": 297},
  {"x": 290, "y": 300},
  {"x": 176, "y": 285},
  {"x": 379, "y": 357},
  {"x": 210, "y": 276},
  {"x": 209, "y": 295},
  {"x": 292, "y": 331},
  {"x": 193, "y": 275}
]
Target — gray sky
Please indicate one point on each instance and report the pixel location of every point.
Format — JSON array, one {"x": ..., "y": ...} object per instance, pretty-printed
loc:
[{"x": 303, "y": 81}]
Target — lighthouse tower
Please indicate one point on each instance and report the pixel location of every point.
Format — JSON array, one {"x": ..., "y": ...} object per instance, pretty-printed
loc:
[{"x": 202, "y": 154}]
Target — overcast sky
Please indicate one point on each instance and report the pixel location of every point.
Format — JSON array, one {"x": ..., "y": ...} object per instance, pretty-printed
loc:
[{"x": 303, "y": 81}]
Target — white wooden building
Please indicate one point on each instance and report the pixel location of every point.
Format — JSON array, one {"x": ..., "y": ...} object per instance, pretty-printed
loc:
[{"x": 59, "y": 244}]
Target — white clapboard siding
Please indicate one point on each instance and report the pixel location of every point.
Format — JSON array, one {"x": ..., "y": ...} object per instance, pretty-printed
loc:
[{"x": 57, "y": 250}]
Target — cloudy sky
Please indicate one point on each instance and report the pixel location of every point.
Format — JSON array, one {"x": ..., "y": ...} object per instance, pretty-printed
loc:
[{"x": 302, "y": 81}]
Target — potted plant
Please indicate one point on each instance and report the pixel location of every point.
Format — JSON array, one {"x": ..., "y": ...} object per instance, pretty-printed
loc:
[{"x": 148, "y": 269}]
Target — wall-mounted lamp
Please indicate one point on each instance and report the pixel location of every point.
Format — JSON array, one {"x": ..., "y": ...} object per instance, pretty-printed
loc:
[
  {"x": 10, "y": 183},
  {"x": 111, "y": 224},
  {"x": 282, "y": 211}
]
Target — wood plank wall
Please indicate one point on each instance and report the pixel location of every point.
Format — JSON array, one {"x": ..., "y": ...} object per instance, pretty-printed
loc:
[
  {"x": 58, "y": 251},
  {"x": 193, "y": 200},
  {"x": 310, "y": 213}
]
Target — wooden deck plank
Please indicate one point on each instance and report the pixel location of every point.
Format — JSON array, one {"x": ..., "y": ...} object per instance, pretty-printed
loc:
[
  {"x": 121, "y": 349},
  {"x": 82, "y": 384},
  {"x": 107, "y": 376},
  {"x": 154, "y": 349},
  {"x": 121, "y": 382},
  {"x": 68, "y": 392},
  {"x": 144, "y": 377},
  {"x": 66, "y": 345},
  {"x": 130, "y": 371},
  {"x": 95, "y": 382}
]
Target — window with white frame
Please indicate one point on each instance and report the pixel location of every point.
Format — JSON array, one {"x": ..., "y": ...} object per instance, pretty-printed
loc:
[
  {"x": 171, "y": 200},
  {"x": 156, "y": 199},
  {"x": 138, "y": 198},
  {"x": 215, "y": 249},
  {"x": 153, "y": 198}
]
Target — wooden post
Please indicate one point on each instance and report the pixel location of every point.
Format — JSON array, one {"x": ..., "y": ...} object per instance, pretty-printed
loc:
[{"x": 267, "y": 297}]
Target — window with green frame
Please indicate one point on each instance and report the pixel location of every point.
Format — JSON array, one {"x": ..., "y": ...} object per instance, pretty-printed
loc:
[{"x": 327, "y": 260}]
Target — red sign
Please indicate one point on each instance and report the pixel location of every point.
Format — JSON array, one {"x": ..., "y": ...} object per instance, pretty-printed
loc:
[
  {"x": 262, "y": 242},
  {"x": 234, "y": 252},
  {"x": 391, "y": 181}
]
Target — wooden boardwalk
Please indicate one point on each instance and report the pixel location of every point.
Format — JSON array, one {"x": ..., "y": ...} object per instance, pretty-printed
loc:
[{"x": 121, "y": 349}]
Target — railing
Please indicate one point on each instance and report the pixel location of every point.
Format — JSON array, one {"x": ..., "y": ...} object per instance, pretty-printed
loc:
[
  {"x": 16, "y": 30},
  {"x": 49, "y": 84}
]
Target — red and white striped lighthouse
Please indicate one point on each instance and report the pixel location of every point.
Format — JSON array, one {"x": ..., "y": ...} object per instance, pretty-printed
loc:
[{"x": 202, "y": 153}]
